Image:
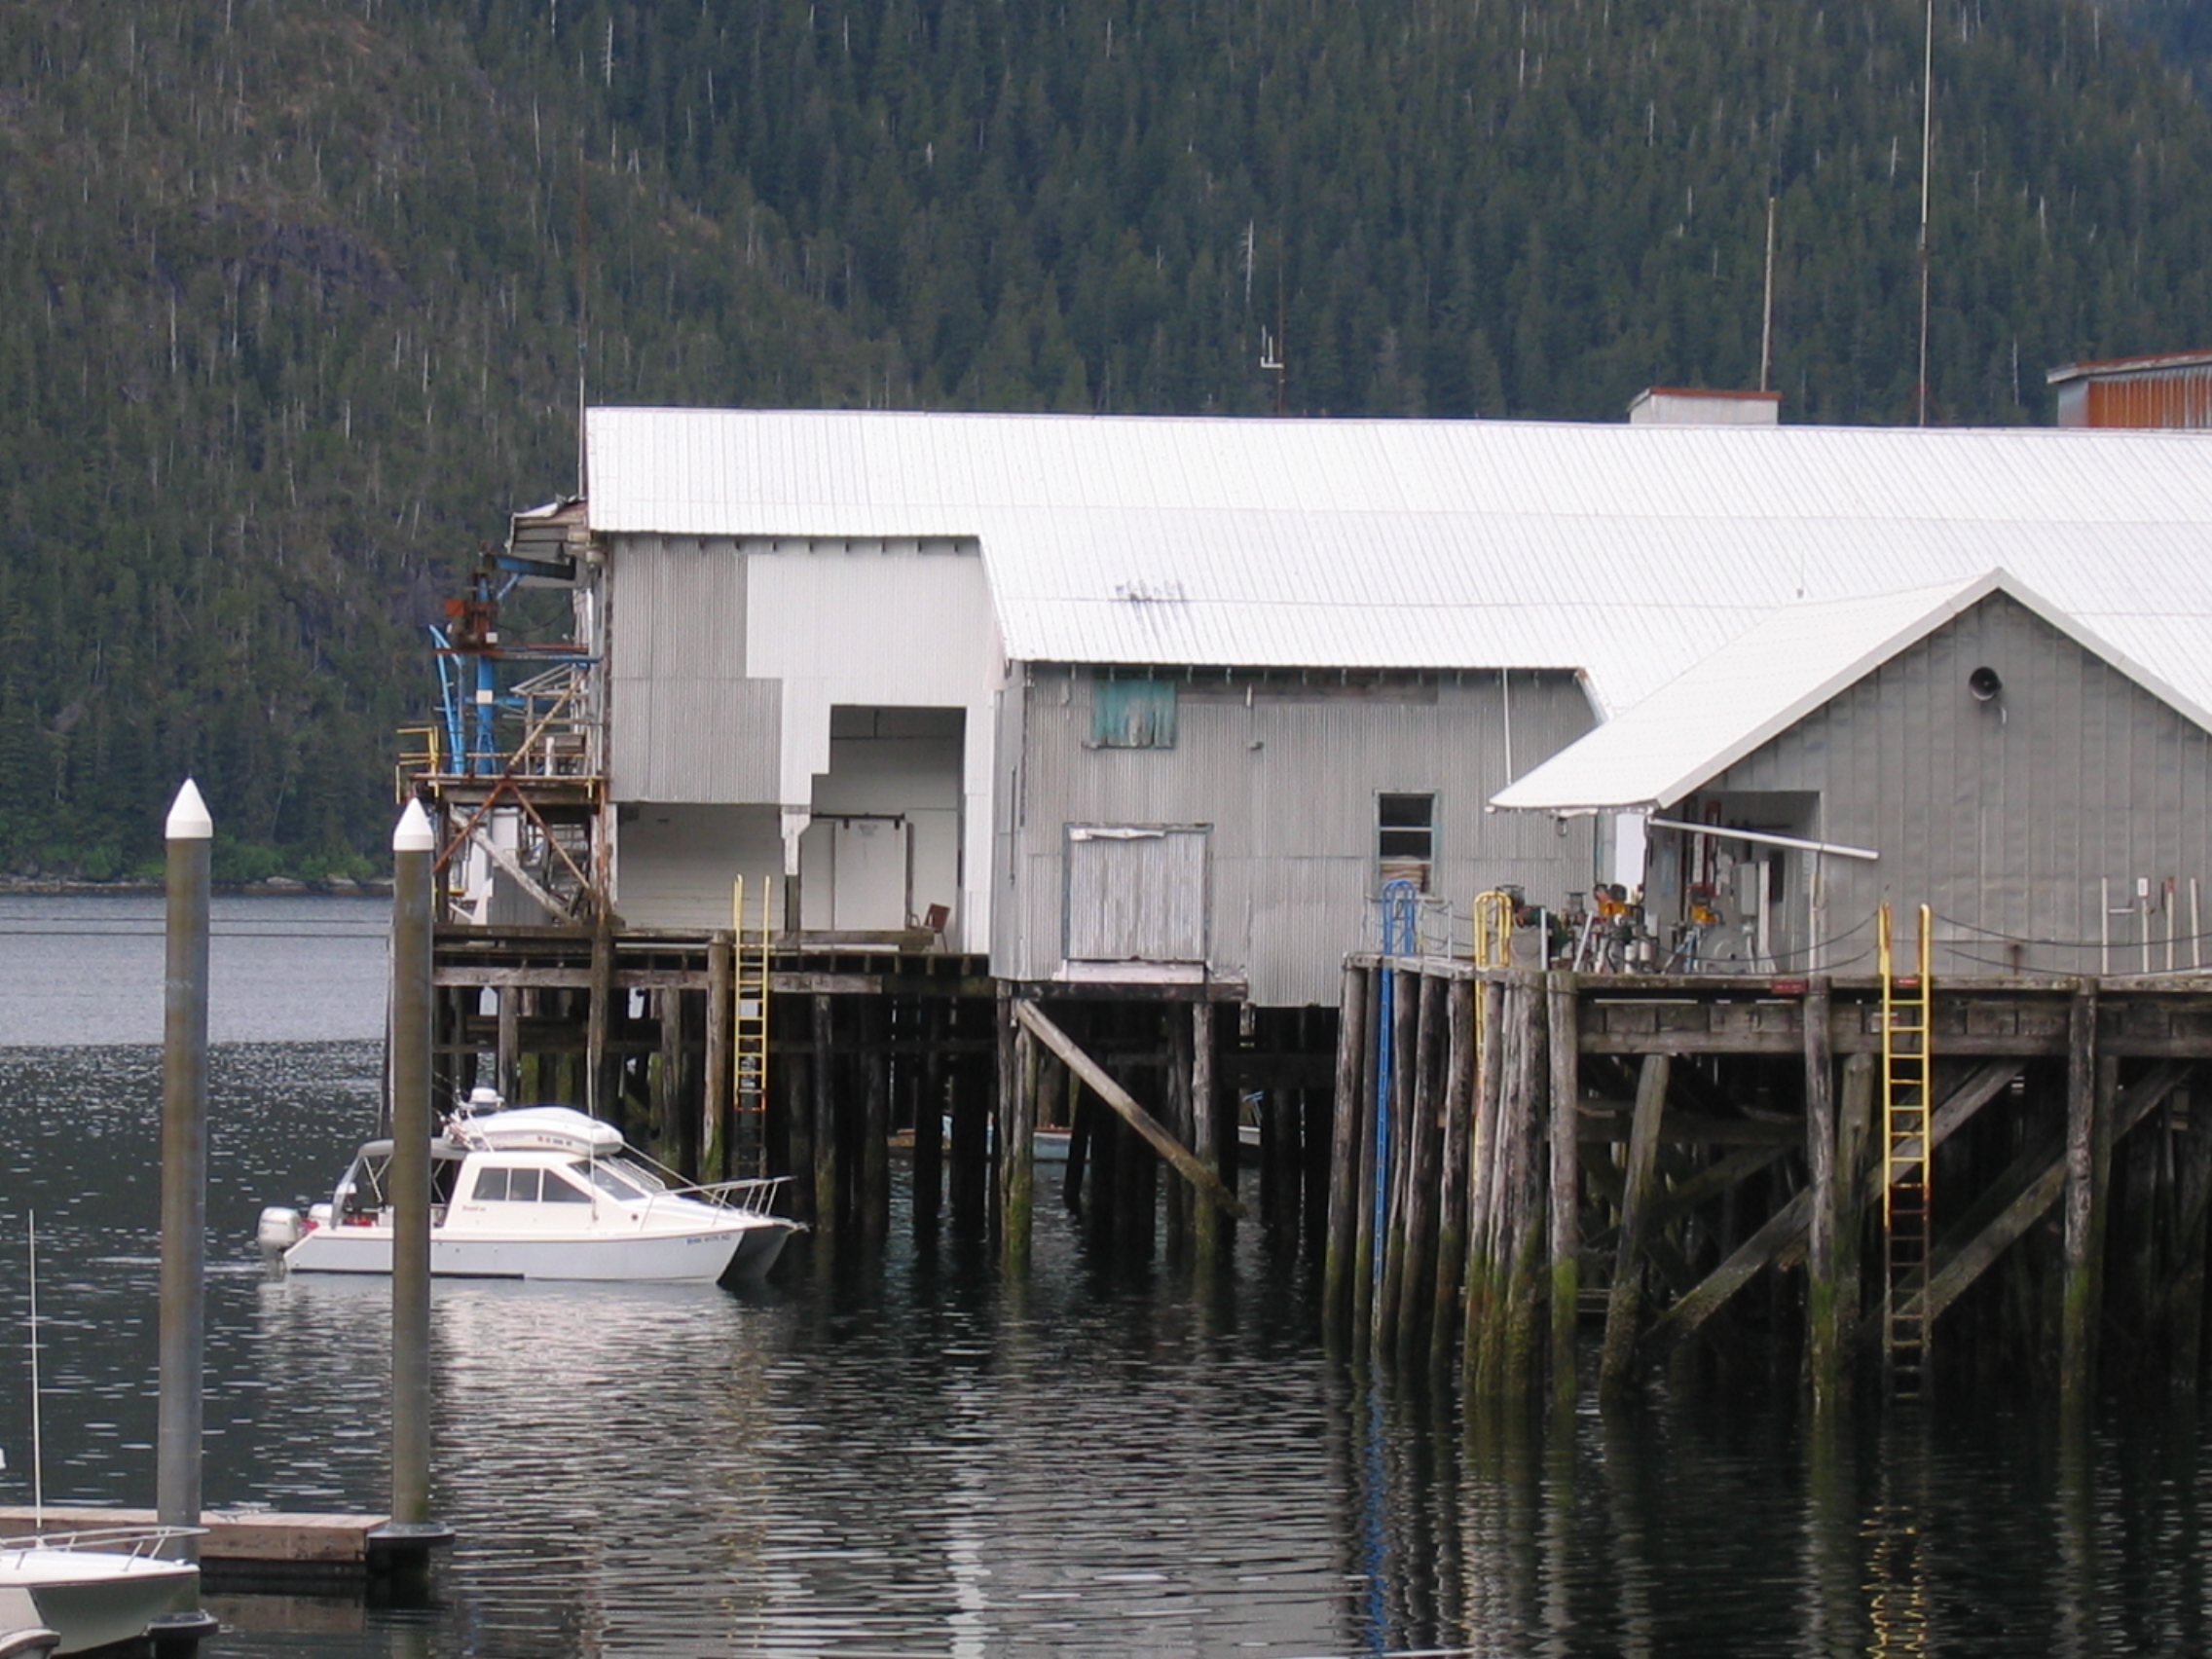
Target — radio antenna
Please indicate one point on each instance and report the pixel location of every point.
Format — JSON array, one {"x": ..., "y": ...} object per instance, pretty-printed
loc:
[{"x": 1926, "y": 158}]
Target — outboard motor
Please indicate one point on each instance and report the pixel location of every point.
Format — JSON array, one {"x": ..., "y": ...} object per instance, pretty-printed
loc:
[{"x": 279, "y": 1230}]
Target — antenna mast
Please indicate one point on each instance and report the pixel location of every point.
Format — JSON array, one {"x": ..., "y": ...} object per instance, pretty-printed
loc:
[
  {"x": 1270, "y": 350},
  {"x": 583, "y": 315},
  {"x": 1926, "y": 155},
  {"x": 1766, "y": 320}
]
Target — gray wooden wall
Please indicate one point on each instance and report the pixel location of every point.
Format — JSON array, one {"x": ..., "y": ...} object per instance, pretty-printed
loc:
[
  {"x": 1285, "y": 776},
  {"x": 2004, "y": 815}
]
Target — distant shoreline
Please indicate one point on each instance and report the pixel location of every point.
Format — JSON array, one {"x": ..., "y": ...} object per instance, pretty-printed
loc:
[{"x": 276, "y": 887}]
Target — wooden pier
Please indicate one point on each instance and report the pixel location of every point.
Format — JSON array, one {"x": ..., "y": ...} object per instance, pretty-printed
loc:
[
  {"x": 1477, "y": 1163},
  {"x": 878, "y": 1043},
  {"x": 1699, "y": 1165}
]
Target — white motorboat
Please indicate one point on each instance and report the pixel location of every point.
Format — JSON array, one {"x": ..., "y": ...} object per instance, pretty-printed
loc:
[
  {"x": 538, "y": 1193},
  {"x": 89, "y": 1589}
]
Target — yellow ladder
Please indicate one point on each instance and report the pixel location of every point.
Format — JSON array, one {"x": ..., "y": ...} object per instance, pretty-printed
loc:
[
  {"x": 749, "y": 1026},
  {"x": 1908, "y": 1187}
]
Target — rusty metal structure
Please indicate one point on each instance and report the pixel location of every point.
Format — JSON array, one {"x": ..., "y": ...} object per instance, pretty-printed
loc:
[{"x": 2170, "y": 391}]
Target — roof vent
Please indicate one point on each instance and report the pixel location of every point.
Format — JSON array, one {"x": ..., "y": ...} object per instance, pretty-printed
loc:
[{"x": 1675, "y": 406}]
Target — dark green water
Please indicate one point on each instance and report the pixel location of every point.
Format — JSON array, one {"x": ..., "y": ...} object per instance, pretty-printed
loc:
[{"x": 922, "y": 1460}]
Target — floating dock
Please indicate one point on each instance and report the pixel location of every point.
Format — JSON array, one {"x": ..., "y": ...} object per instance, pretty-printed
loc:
[{"x": 241, "y": 1547}]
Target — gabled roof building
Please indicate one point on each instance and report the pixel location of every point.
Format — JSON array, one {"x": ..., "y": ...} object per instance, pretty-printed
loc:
[{"x": 1169, "y": 698}]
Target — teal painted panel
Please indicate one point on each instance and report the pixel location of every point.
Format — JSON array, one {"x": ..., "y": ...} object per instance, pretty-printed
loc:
[{"x": 1132, "y": 713}]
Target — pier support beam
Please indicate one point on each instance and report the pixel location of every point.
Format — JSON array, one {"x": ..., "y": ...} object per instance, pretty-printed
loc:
[
  {"x": 1825, "y": 1334},
  {"x": 1205, "y": 1135},
  {"x": 1208, "y": 1185},
  {"x": 1338, "y": 1256},
  {"x": 829, "y": 1184},
  {"x": 715, "y": 1162},
  {"x": 1625, "y": 1302},
  {"x": 2088, "y": 1161},
  {"x": 1451, "y": 1199},
  {"x": 1565, "y": 1185}
]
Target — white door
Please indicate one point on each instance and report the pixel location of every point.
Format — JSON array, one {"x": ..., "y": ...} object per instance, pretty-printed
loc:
[{"x": 868, "y": 875}]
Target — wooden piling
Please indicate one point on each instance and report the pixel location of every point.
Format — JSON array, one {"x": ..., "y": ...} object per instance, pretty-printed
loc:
[
  {"x": 875, "y": 1126},
  {"x": 508, "y": 1069},
  {"x": 1624, "y": 1303},
  {"x": 1522, "y": 1227},
  {"x": 1341, "y": 1241},
  {"x": 667, "y": 1082},
  {"x": 974, "y": 1094},
  {"x": 930, "y": 1122},
  {"x": 2193, "y": 1197},
  {"x": 1854, "y": 1138},
  {"x": 1456, "y": 1109},
  {"x": 2086, "y": 1146},
  {"x": 600, "y": 1097},
  {"x": 828, "y": 1185},
  {"x": 1365, "y": 1260},
  {"x": 1176, "y": 1117},
  {"x": 1824, "y": 1335},
  {"x": 1424, "y": 1161},
  {"x": 1205, "y": 1132},
  {"x": 1017, "y": 1154},
  {"x": 1480, "y": 1286},
  {"x": 1396, "y": 1148},
  {"x": 716, "y": 1160},
  {"x": 1566, "y": 1194}
]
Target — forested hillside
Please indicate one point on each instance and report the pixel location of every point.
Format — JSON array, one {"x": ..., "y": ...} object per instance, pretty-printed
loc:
[{"x": 300, "y": 292}]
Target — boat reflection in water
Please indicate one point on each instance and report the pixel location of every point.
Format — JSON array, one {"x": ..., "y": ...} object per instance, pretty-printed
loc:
[{"x": 537, "y": 1193}]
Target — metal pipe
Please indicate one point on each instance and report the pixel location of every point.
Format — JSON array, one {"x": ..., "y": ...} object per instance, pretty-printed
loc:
[
  {"x": 1762, "y": 837},
  {"x": 412, "y": 845},
  {"x": 190, "y": 834}
]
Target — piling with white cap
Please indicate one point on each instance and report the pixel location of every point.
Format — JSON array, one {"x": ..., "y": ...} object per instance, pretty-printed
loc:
[
  {"x": 412, "y": 845},
  {"x": 184, "y": 1165},
  {"x": 402, "y": 1547}
]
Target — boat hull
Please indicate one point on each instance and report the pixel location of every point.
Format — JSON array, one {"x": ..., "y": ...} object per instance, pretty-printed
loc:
[
  {"x": 700, "y": 1258},
  {"x": 89, "y": 1598}
]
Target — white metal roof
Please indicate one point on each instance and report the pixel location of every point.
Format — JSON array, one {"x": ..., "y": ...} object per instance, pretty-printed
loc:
[
  {"x": 1758, "y": 685},
  {"x": 1627, "y": 551}
]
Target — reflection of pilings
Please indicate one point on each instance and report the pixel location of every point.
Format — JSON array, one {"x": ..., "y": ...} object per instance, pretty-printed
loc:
[
  {"x": 1896, "y": 1546},
  {"x": 2078, "y": 1635},
  {"x": 1835, "y": 1620}
]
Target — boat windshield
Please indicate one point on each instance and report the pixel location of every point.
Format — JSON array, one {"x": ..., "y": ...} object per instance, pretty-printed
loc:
[{"x": 618, "y": 1178}]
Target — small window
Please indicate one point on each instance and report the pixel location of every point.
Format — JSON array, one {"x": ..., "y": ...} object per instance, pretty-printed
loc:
[
  {"x": 521, "y": 1186},
  {"x": 1406, "y": 837},
  {"x": 1132, "y": 713},
  {"x": 490, "y": 1185},
  {"x": 560, "y": 1190}
]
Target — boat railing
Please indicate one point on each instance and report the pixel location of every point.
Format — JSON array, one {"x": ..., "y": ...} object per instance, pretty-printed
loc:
[
  {"x": 141, "y": 1540},
  {"x": 756, "y": 1196}
]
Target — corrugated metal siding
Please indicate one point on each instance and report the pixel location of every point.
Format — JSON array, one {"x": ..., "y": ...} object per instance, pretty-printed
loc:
[
  {"x": 1137, "y": 895},
  {"x": 686, "y": 724},
  {"x": 674, "y": 863},
  {"x": 2003, "y": 816},
  {"x": 1288, "y": 786},
  {"x": 1406, "y": 543},
  {"x": 2175, "y": 398}
]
